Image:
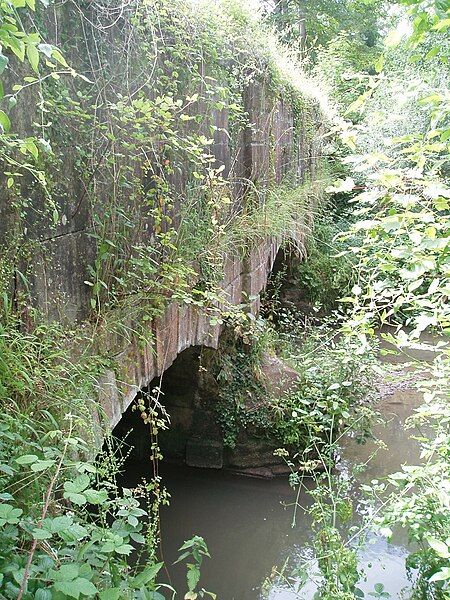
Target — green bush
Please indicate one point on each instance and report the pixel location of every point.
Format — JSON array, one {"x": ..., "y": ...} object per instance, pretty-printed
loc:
[
  {"x": 326, "y": 275},
  {"x": 66, "y": 528},
  {"x": 334, "y": 379}
]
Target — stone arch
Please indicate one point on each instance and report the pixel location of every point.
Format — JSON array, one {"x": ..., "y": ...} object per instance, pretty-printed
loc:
[
  {"x": 181, "y": 327},
  {"x": 182, "y": 395}
]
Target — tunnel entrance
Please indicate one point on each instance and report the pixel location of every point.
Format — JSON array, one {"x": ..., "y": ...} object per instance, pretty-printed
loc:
[
  {"x": 286, "y": 294},
  {"x": 210, "y": 409},
  {"x": 181, "y": 406}
]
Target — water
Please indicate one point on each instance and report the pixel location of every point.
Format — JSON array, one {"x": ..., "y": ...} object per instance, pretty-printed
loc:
[{"x": 247, "y": 523}]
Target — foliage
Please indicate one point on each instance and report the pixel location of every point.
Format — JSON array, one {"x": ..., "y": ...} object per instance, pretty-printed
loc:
[
  {"x": 24, "y": 51},
  {"x": 335, "y": 376},
  {"x": 67, "y": 530},
  {"x": 80, "y": 538},
  {"x": 120, "y": 153},
  {"x": 418, "y": 496},
  {"x": 196, "y": 550},
  {"x": 403, "y": 213},
  {"x": 395, "y": 147},
  {"x": 242, "y": 394},
  {"x": 280, "y": 213},
  {"x": 330, "y": 560},
  {"x": 332, "y": 381},
  {"x": 312, "y": 26},
  {"x": 143, "y": 155},
  {"x": 37, "y": 371},
  {"x": 327, "y": 274}
]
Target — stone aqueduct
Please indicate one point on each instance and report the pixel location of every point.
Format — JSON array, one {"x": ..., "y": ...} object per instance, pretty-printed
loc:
[
  {"x": 180, "y": 328},
  {"x": 278, "y": 142}
]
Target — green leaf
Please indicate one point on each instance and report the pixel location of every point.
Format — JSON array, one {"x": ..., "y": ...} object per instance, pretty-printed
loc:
[
  {"x": 110, "y": 594},
  {"x": 132, "y": 520},
  {"x": 6, "y": 468},
  {"x": 9, "y": 514},
  {"x": 379, "y": 63},
  {"x": 146, "y": 576},
  {"x": 77, "y": 485},
  {"x": 12, "y": 101},
  {"x": 41, "y": 534},
  {"x": 442, "y": 575},
  {"x": 27, "y": 459},
  {"x": 85, "y": 586},
  {"x": 31, "y": 148},
  {"x": 432, "y": 53},
  {"x": 69, "y": 583},
  {"x": 59, "y": 524},
  {"x": 67, "y": 588},
  {"x": 442, "y": 24},
  {"x": 96, "y": 496},
  {"x": 42, "y": 465},
  {"x": 5, "y": 123},
  {"x": 439, "y": 547},
  {"x": 441, "y": 203},
  {"x": 46, "y": 49},
  {"x": 78, "y": 499},
  {"x": 193, "y": 577},
  {"x": 3, "y": 63},
  {"x": 18, "y": 47},
  {"x": 56, "y": 54},
  {"x": 43, "y": 594},
  {"x": 66, "y": 572},
  {"x": 18, "y": 575},
  {"x": 124, "y": 549}
]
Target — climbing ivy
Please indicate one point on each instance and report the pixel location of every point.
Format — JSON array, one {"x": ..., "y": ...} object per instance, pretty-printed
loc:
[{"x": 331, "y": 384}]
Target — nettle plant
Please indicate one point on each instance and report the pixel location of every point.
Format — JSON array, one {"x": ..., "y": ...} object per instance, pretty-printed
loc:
[
  {"x": 76, "y": 541},
  {"x": 67, "y": 530}
]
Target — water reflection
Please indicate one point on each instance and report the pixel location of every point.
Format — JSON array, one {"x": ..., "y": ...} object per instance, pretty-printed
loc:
[{"x": 247, "y": 523}]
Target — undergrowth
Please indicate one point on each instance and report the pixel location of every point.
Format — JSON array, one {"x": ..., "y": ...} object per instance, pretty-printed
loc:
[
  {"x": 332, "y": 380},
  {"x": 66, "y": 528},
  {"x": 329, "y": 271}
]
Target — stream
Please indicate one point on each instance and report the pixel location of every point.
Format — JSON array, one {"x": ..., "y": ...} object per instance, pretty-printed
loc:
[{"x": 247, "y": 522}]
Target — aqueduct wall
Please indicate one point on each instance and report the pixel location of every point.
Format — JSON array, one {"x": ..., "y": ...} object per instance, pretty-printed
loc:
[{"x": 50, "y": 248}]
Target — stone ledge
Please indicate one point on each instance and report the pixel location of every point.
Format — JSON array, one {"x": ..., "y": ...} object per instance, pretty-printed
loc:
[{"x": 204, "y": 454}]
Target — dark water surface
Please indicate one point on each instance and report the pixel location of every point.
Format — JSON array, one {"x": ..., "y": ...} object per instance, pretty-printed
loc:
[{"x": 247, "y": 523}]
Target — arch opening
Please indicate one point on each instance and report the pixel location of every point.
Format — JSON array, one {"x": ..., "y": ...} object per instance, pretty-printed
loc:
[{"x": 183, "y": 399}]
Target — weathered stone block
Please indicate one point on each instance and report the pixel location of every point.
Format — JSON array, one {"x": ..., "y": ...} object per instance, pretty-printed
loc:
[
  {"x": 109, "y": 398},
  {"x": 205, "y": 454},
  {"x": 58, "y": 270},
  {"x": 252, "y": 453}
]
